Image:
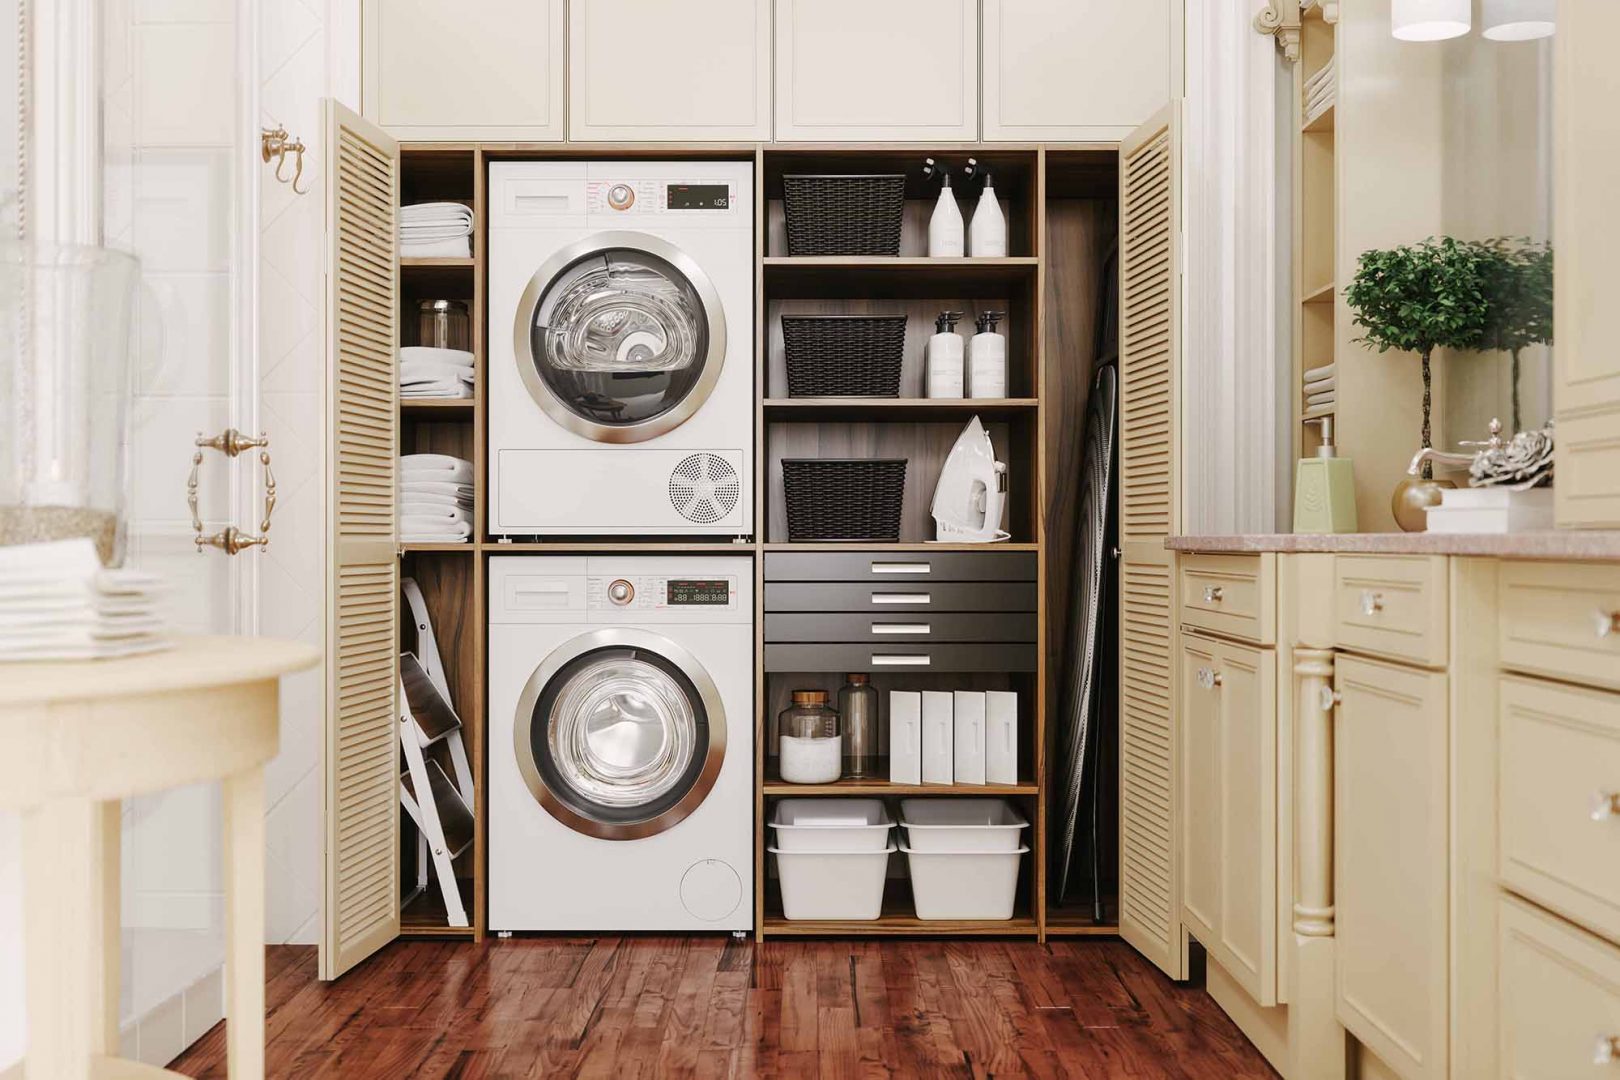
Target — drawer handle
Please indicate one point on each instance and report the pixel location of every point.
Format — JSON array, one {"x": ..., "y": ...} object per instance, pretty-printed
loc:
[
  {"x": 1606, "y": 1050},
  {"x": 1213, "y": 594},
  {"x": 1371, "y": 602},
  {"x": 902, "y": 598},
  {"x": 901, "y": 568},
  {"x": 916, "y": 660},
  {"x": 901, "y": 628},
  {"x": 1208, "y": 678},
  {"x": 1327, "y": 698},
  {"x": 1605, "y": 805},
  {"x": 1606, "y": 623}
]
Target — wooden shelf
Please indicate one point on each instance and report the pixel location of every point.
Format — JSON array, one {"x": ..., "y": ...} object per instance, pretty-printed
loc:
[
  {"x": 1322, "y": 121},
  {"x": 436, "y": 263},
  {"x": 881, "y": 788},
  {"x": 616, "y": 547},
  {"x": 1077, "y": 921},
  {"x": 879, "y": 277},
  {"x": 413, "y": 548},
  {"x": 424, "y": 916},
  {"x": 436, "y": 405},
  {"x": 1322, "y": 294},
  {"x": 888, "y": 410},
  {"x": 860, "y": 545},
  {"x": 899, "y": 918}
]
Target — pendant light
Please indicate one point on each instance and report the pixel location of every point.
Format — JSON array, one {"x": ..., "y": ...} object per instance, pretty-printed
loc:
[
  {"x": 1519, "y": 20},
  {"x": 1430, "y": 20}
]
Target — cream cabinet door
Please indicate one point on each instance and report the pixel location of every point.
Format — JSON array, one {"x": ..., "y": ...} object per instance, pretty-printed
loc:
[
  {"x": 1229, "y": 805},
  {"x": 656, "y": 71},
  {"x": 1391, "y": 863},
  {"x": 877, "y": 70},
  {"x": 1077, "y": 70},
  {"x": 446, "y": 69}
]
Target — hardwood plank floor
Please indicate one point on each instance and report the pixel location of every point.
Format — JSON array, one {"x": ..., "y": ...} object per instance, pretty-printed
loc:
[{"x": 710, "y": 1007}]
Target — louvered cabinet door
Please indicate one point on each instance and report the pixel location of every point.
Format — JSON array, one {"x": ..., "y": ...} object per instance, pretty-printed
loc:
[
  {"x": 361, "y": 896},
  {"x": 1149, "y": 880}
]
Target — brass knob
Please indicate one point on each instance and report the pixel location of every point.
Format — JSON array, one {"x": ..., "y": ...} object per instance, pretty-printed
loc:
[
  {"x": 1213, "y": 594},
  {"x": 1606, "y": 1050},
  {"x": 1371, "y": 602},
  {"x": 1208, "y": 678},
  {"x": 1605, "y": 805},
  {"x": 1327, "y": 698},
  {"x": 1606, "y": 623}
]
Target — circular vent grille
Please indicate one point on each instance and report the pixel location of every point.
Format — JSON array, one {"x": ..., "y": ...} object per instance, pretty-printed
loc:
[{"x": 704, "y": 488}]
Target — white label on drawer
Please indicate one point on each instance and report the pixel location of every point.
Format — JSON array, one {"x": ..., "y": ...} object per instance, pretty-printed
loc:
[
  {"x": 901, "y": 628},
  {"x": 901, "y": 661},
  {"x": 901, "y": 568},
  {"x": 902, "y": 598}
]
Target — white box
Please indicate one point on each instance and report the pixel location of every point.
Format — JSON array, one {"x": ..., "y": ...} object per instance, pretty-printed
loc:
[
  {"x": 905, "y": 737},
  {"x": 961, "y": 825},
  {"x": 964, "y": 885},
  {"x": 843, "y": 826},
  {"x": 968, "y": 723},
  {"x": 1492, "y": 510},
  {"x": 1000, "y": 737},
  {"x": 832, "y": 885},
  {"x": 938, "y": 765}
]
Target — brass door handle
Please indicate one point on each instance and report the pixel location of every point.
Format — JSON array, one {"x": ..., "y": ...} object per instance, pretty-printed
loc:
[{"x": 230, "y": 539}]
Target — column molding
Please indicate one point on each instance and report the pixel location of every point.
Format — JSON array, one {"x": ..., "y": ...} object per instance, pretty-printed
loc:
[{"x": 59, "y": 197}]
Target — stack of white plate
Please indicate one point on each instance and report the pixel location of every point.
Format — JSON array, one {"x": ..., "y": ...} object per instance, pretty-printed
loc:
[
  {"x": 832, "y": 856},
  {"x": 963, "y": 855},
  {"x": 57, "y": 602}
]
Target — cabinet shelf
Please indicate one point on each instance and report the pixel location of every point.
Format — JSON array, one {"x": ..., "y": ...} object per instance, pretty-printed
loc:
[
  {"x": 1322, "y": 121},
  {"x": 436, "y": 263},
  {"x": 1322, "y": 294},
  {"x": 436, "y": 406},
  {"x": 861, "y": 545},
  {"x": 415, "y": 548},
  {"x": 899, "y": 918},
  {"x": 883, "y": 788},
  {"x": 897, "y": 409},
  {"x": 881, "y": 277}
]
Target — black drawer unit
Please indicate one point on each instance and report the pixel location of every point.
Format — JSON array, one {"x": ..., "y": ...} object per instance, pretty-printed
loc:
[
  {"x": 895, "y": 596},
  {"x": 900, "y": 659},
  {"x": 901, "y": 629},
  {"x": 900, "y": 566}
]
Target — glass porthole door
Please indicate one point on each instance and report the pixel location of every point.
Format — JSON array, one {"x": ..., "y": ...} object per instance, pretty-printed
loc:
[{"x": 620, "y": 337}]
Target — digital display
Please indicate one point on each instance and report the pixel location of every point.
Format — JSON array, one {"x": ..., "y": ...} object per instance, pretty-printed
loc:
[
  {"x": 699, "y": 196},
  {"x": 693, "y": 593}
]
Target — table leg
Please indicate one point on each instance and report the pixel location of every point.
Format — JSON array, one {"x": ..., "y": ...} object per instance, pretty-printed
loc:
[
  {"x": 244, "y": 925},
  {"x": 72, "y": 936}
]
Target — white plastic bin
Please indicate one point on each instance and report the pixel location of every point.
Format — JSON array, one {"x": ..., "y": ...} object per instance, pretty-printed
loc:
[
  {"x": 961, "y": 825},
  {"x": 831, "y": 825},
  {"x": 846, "y": 886},
  {"x": 964, "y": 884}
]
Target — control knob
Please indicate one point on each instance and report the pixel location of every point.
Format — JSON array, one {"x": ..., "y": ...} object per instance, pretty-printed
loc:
[
  {"x": 621, "y": 592},
  {"x": 621, "y": 196}
]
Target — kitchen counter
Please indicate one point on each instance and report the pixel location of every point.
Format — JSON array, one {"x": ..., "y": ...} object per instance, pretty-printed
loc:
[{"x": 1575, "y": 544}]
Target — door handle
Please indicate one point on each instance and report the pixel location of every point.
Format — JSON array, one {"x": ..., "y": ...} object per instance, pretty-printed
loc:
[
  {"x": 917, "y": 629},
  {"x": 231, "y": 443},
  {"x": 915, "y": 660}
]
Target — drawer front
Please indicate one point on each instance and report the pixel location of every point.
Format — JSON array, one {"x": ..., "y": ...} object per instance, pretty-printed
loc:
[
  {"x": 911, "y": 566},
  {"x": 900, "y": 658},
  {"x": 1560, "y": 1005},
  {"x": 1234, "y": 595},
  {"x": 1558, "y": 772},
  {"x": 900, "y": 596},
  {"x": 901, "y": 628},
  {"x": 1561, "y": 619},
  {"x": 1392, "y": 605}
]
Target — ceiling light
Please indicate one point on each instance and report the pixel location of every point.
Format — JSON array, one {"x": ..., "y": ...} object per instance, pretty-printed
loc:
[
  {"x": 1430, "y": 20},
  {"x": 1519, "y": 20}
]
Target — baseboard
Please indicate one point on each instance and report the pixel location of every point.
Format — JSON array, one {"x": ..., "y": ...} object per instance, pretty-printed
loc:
[
  {"x": 1266, "y": 1028},
  {"x": 163, "y": 1032}
]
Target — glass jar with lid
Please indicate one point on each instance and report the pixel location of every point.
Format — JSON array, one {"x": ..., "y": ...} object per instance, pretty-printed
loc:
[{"x": 810, "y": 747}]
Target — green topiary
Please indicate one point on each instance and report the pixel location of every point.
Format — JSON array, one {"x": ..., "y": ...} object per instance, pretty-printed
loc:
[
  {"x": 1519, "y": 292},
  {"x": 1419, "y": 298}
]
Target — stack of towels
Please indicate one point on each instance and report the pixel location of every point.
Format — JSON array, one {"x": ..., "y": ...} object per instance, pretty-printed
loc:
[
  {"x": 1319, "y": 92},
  {"x": 1321, "y": 391},
  {"x": 435, "y": 499},
  {"x": 436, "y": 230},
  {"x": 57, "y": 602},
  {"x": 426, "y": 372}
]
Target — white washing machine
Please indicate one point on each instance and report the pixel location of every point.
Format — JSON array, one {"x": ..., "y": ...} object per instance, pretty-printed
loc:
[
  {"x": 621, "y": 749},
  {"x": 621, "y": 347}
]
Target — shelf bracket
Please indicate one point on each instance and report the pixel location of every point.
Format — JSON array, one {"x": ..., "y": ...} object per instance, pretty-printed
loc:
[{"x": 1279, "y": 19}]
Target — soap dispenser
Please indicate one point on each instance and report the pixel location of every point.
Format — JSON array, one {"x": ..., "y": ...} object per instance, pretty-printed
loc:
[
  {"x": 942, "y": 358},
  {"x": 987, "y": 357},
  {"x": 945, "y": 227},
  {"x": 1325, "y": 488},
  {"x": 987, "y": 237}
]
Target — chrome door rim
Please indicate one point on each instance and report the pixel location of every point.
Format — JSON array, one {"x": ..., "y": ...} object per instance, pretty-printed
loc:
[
  {"x": 552, "y": 406},
  {"x": 523, "y": 733}
]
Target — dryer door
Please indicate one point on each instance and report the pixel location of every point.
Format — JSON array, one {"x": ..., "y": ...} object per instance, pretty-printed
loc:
[
  {"x": 620, "y": 337},
  {"x": 620, "y": 734}
]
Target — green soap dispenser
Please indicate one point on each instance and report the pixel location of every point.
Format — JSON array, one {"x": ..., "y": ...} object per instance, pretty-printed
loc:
[{"x": 1325, "y": 489}]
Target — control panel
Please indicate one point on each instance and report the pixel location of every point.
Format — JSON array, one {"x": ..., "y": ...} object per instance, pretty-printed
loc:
[
  {"x": 640, "y": 197},
  {"x": 635, "y": 592}
]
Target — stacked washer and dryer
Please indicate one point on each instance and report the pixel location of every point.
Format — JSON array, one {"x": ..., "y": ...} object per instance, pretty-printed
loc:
[{"x": 621, "y": 404}]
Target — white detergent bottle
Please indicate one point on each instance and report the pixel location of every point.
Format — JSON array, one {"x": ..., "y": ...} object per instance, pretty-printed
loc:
[
  {"x": 987, "y": 358},
  {"x": 987, "y": 238},
  {"x": 945, "y": 226},
  {"x": 942, "y": 358}
]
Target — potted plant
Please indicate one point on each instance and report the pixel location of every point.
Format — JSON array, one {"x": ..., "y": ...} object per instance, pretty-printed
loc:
[
  {"x": 1519, "y": 295},
  {"x": 1418, "y": 298}
]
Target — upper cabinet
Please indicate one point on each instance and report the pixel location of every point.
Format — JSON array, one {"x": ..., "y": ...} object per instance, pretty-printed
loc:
[
  {"x": 877, "y": 70},
  {"x": 446, "y": 69},
  {"x": 1077, "y": 70},
  {"x": 651, "y": 70}
]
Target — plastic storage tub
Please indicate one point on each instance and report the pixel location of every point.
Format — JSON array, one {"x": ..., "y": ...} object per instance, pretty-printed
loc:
[
  {"x": 961, "y": 825},
  {"x": 840, "y": 826},
  {"x": 964, "y": 884},
  {"x": 846, "y": 886}
]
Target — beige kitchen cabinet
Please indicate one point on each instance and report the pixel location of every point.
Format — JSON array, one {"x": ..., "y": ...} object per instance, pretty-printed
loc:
[
  {"x": 1077, "y": 70},
  {"x": 1229, "y": 790},
  {"x": 446, "y": 70},
  {"x": 653, "y": 71},
  {"x": 877, "y": 70},
  {"x": 1392, "y": 863}
]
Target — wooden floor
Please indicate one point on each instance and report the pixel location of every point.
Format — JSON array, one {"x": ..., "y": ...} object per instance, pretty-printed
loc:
[{"x": 710, "y": 1007}]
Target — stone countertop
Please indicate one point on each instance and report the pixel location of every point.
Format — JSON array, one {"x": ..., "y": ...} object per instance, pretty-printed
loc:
[{"x": 1575, "y": 544}]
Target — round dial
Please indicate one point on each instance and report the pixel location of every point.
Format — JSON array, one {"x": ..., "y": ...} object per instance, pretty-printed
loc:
[
  {"x": 621, "y": 592},
  {"x": 621, "y": 196}
]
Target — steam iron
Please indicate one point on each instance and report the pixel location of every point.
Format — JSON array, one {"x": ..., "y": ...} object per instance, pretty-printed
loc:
[{"x": 972, "y": 492}]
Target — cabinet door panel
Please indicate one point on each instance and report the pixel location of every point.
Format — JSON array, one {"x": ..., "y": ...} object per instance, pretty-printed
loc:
[
  {"x": 657, "y": 71},
  {"x": 1201, "y": 789},
  {"x": 1390, "y": 863},
  {"x": 1246, "y": 945},
  {"x": 1077, "y": 70},
  {"x": 877, "y": 70}
]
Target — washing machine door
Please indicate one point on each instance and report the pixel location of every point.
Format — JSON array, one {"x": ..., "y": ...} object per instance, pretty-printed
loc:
[
  {"x": 620, "y": 734},
  {"x": 620, "y": 337}
]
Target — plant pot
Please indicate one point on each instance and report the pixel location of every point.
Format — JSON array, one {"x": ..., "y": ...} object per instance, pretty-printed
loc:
[{"x": 1413, "y": 496}]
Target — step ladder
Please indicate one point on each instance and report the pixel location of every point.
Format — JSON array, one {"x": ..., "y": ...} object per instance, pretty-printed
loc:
[{"x": 441, "y": 809}]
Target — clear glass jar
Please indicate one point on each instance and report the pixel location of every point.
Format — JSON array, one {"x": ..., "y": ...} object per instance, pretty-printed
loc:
[
  {"x": 809, "y": 746},
  {"x": 863, "y": 742},
  {"x": 444, "y": 324},
  {"x": 65, "y": 389}
]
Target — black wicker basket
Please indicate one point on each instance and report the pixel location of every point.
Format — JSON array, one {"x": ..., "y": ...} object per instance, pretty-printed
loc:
[
  {"x": 850, "y": 499},
  {"x": 843, "y": 355},
  {"x": 844, "y": 215}
]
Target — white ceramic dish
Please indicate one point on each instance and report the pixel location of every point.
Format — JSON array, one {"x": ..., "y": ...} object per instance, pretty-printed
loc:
[{"x": 961, "y": 825}]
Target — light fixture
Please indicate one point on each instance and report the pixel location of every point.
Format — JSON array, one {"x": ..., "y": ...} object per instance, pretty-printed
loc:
[
  {"x": 1519, "y": 20},
  {"x": 1430, "y": 20}
]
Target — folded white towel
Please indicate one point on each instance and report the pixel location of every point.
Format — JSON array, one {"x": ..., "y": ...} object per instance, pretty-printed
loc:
[
  {"x": 1318, "y": 410},
  {"x": 444, "y": 515},
  {"x": 456, "y": 248},
  {"x": 411, "y": 355},
  {"x": 432, "y": 530},
  {"x": 430, "y": 503},
  {"x": 1318, "y": 386},
  {"x": 435, "y": 389},
  {"x": 1324, "y": 372},
  {"x": 416, "y": 234},
  {"x": 438, "y": 467},
  {"x": 435, "y": 211},
  {"x": 417, "y": 370},
  {"x": 414, "y": 485},
  {"x": 1327, "y": 398}
]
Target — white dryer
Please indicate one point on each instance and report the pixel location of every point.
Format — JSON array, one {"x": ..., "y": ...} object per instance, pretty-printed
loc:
[
  {"x": 621, "y": 750},
  {"x": 621, "y": 342}
]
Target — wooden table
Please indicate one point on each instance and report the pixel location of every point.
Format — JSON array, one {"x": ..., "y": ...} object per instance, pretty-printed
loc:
[{"x": 80, "y": 737}]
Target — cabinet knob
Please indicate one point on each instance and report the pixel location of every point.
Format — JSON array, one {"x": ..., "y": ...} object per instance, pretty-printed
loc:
[
  {"x": 1212, "y": 594},
  {"x": 1371, "y": 602},
  {"x": 1605, "y": 805},
  {"x": 1327, "y": 698},
  {"x": 1606, "y": 623},
  {"x": 1208, "y": 678},
  {"x": 1606, "y": 1050}
]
